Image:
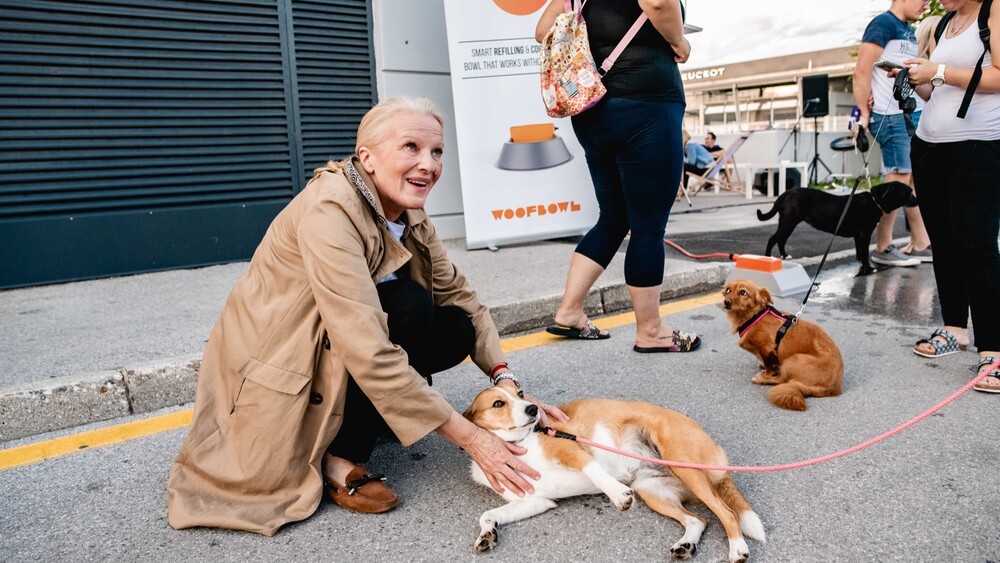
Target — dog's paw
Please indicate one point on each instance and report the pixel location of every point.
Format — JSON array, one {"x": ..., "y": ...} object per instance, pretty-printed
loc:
[
  {"x": 764, "y": 377},
  {"x": 683, "y": 550},
  {"x": 488, "y": 537},
  {"x": 865, "y": 271},
  {"x": 739, "y": 551},
  {"x": 623, "y": 498}
]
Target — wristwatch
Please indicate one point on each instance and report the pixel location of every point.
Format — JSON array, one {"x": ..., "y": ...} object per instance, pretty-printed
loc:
[
  {"x": 938, "y": 79},
  {"x": 505, "y": 375}
]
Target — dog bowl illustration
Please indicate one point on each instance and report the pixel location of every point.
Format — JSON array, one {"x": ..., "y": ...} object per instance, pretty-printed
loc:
[{"x": 533, "y": 147}]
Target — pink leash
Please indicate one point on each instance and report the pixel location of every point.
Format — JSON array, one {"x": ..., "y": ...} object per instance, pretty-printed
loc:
[{"x": 784, "y": 467}]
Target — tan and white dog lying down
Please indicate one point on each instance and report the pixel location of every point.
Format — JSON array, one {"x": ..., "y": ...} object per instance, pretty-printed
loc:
[{"x": 569, "y": 468}]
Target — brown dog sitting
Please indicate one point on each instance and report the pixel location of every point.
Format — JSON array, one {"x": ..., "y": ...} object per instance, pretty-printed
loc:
[{"x": 804, "y": 362}]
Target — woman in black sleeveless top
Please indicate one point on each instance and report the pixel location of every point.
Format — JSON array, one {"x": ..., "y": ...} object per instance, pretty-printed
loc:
[{"x": 632, "y": 141}]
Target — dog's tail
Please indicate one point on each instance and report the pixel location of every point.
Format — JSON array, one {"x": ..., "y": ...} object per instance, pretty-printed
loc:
[
  {"x": 772, "y": 212},
  {"x": 749, "y": 521},
  {"x": 790, "y": 395}
]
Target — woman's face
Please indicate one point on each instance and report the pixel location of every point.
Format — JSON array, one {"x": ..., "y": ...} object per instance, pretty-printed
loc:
[
  {"x": 407, "y": 164},
  {"x": 913, "y": 9},
  {"x": 952, "y": 5}
]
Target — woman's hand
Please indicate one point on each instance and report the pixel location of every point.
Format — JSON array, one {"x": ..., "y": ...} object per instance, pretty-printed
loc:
[
  {"x": 499, "y": 463},
  {"x": 548, "y": 18},
  {"x": 496, "y": 458},
  {"x": 682, "y": 51},
  {"x": 921, "y": 71},
  {"x": 545, "y": 412}
]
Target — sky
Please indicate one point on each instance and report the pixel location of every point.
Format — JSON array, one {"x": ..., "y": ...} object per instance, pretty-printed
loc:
[{"x": 743, "y": 30}]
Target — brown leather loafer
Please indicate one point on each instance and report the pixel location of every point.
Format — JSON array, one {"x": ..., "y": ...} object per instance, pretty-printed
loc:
[{"x": 363, "y": 492}]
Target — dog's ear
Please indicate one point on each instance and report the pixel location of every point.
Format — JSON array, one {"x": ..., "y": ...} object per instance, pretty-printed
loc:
[{"x": 764, "y": 295}]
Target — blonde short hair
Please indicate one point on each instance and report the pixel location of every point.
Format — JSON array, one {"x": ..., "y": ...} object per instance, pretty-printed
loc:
[
  {"x": 925, "y": 36},
  {"x": 377, "y": 123}
]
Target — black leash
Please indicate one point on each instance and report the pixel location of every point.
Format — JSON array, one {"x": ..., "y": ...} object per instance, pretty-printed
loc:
[
  {"x": 904, "y": 96},
  {"x": 843, "y": 214}
]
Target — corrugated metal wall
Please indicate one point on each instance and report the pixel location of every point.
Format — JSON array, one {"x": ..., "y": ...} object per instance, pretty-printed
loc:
[
  {"x": 332, "y": 97},
  {"x": 146, "y": 136}
]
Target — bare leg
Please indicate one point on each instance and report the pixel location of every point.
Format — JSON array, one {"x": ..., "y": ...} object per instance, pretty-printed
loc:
[
  {"x": 961, "y": 335},
  {"x": 583, "y": 273},
  {"x": 883, "y": 233},
  {"x": 989, "y": 384},
  {"x": 919, "y": 239},
  {"x": 649, "y": 328},
  {"x": 337, "y": 468}
]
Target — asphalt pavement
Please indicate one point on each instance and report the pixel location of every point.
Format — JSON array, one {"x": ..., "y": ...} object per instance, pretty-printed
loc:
[{"x": 927, "y": 494}]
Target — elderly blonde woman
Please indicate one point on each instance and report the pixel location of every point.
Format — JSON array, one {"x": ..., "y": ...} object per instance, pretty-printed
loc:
[{"x": 329, "y": 341}]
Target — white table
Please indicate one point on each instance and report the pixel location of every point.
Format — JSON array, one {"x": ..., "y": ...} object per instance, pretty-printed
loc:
[{"x": 782, "y": 167}]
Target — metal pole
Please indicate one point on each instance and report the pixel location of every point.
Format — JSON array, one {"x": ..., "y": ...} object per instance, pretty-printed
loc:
[{"x": 736, "y": 101}]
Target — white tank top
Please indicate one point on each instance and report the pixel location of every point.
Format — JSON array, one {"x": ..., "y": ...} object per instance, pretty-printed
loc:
[{"x": 939, "y": 122}]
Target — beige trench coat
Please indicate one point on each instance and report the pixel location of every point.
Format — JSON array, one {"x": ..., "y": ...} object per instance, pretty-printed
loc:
[{"x": 273, "y": 379}]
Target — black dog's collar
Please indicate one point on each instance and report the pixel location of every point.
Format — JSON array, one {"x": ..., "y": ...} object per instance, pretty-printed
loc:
[
  {"x": 555, "y": 433},
  {"x": 876, "y": 201}
]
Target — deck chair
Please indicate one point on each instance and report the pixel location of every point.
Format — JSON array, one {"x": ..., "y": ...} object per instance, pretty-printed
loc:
[{"x": 718, "y": 174}]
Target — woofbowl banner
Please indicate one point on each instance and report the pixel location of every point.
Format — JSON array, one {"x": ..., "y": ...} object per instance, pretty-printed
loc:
[{"x": 524, "y": 176}]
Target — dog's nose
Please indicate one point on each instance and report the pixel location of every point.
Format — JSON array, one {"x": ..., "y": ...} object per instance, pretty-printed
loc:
[
  {"x": 531, "y": 410},
  {"x": 727, "y": 303}
]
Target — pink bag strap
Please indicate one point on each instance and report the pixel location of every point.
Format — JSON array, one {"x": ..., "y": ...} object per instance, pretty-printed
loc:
[
  {"x": 610, "y": 61},
  {"x": 577, "y": 6}
]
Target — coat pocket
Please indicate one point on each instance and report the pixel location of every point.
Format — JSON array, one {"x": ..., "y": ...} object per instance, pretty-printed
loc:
[
  {"x": 273, "y": 377},
  {"x": 263, "y": 447}
]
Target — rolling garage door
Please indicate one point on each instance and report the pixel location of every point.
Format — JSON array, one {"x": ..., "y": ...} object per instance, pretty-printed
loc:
[{"x": 146, "y": 136}]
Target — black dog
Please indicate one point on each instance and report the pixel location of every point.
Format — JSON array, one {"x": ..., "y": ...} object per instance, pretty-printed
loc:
[{"x": 822, "y": 210}]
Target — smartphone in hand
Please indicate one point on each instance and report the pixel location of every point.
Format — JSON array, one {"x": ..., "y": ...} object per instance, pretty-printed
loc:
[{"x": 888, "y": 65}]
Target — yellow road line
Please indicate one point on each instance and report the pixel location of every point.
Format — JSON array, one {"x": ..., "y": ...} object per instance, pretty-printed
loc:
[
  {"x": 57, "y": 447},
  {"x": 34, "y": 453}
]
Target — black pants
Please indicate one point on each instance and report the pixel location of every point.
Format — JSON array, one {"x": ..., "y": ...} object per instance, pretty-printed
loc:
[
  {"x": 435, "y": 339},
  {"x": 958, "y": 186},
  {"x": 691, "y": 169}
]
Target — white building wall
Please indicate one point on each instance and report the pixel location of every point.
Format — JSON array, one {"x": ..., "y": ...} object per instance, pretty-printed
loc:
[{"x": 411, "y": 58}]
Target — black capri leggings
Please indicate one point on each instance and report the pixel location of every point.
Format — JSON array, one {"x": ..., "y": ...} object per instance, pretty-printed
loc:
[
  {"x": 958, "y": 186},
  {"x": 635, "y": 157},
  {"x": 435, "y": 339}
]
